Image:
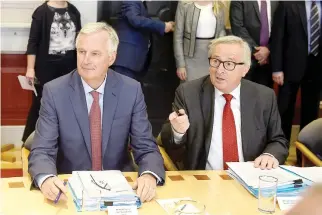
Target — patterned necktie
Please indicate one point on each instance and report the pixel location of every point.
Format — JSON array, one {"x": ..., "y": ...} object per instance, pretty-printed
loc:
[
  {"x": 264, "y": 34},
  {"x": 229, "y": 138},
  {"x": 315, "y": 29},
  {"x": 96, "y": 132}
]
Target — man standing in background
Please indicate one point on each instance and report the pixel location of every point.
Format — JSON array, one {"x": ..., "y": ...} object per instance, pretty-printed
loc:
[
  {"x": 251, "y": 20},
  {"x": 296, "y": 60},
  {"x": 134, "y": 30}
]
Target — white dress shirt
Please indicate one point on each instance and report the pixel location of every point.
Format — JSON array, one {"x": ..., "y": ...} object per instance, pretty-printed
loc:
[
  {"x": 215, "y": 156},
  {"x": 269, "y": 15},
  {"x": 89, "y": 101},
  {"x": 206, "y": 27}
]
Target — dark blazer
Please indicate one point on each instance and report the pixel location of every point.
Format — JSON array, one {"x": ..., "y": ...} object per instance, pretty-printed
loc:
[
  {"x": 38, "y": 43},
  {"x": 62, "y": 138},
  {"x": 134, "y": 28},
  {"x": 260, "y": 122},
  {"x": 289, "y": 46},
  {"x": 245, "y": 20}
]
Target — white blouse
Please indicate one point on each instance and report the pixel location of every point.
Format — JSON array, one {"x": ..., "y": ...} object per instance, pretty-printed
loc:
[{"x": 207, "y": 21}]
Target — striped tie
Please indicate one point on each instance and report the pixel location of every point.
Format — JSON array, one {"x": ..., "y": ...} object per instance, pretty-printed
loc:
[{"x": 315, "y": 29}]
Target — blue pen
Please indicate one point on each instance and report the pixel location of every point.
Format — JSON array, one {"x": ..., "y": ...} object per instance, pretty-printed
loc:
[{"x": 59, "y": 194}]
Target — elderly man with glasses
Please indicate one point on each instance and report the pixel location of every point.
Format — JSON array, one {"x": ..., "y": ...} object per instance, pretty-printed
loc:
[{"x": 225, "y": 118}]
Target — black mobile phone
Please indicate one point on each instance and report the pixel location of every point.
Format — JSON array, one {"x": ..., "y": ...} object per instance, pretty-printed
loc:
[{"x": 176, "y": 109}]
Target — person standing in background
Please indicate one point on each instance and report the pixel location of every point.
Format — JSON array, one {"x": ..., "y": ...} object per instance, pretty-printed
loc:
[
  {"x": 51, "y": 49},
  {"x": 197, "y": 23},
  {"x": 134, "y": 29},
  {"x": 252, "y": 21},
  {"x": 296, "y": 61}
]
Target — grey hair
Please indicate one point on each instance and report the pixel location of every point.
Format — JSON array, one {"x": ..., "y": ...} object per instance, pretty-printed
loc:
[
  {"x": 232, "y": 40},
  {"x": 93, "y": 27}
]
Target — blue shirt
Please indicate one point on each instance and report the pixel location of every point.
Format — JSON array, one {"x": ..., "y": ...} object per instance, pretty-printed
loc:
[{"x": 308, "y": 5}]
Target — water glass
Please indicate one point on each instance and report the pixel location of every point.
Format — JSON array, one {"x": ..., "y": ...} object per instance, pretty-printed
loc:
[{"x": 267, "y": 190}]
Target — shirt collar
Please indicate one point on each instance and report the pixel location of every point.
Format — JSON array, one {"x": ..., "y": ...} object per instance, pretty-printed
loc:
[
  {"x": 89, "y": 89},
  {"x": 235, "y": 93}
]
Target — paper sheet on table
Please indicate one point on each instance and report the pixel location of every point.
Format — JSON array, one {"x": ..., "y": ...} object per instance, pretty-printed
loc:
[
  {"x": 286, "y": 203},
  {"x": 168, "y": 203},
  {"x": 24, "y": 83},
  {"x": 122, "y": 210},
  {"x": 249, "y": 174},
  {"x": 311, "y": 173}
]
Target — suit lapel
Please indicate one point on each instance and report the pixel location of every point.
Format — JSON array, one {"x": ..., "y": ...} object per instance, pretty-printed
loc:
[
  {"x": 78, "y": 100},
  {"x": 302, "y": 11},
  {"x": 207, "y": 104},
  {"x": 111, "y": 92},
  {"x": 256, "y": 7},
  {"x": 247, "y": 104}
]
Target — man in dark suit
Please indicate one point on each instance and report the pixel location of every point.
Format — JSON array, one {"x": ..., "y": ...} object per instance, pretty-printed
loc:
[
  {"x": 296, "y": 60},
  {"x": 251, "y": 20},
  {"x": 223, "y": 118},
  {"x": 88, "y": 116},
  {"x": 134, "y": 29}
]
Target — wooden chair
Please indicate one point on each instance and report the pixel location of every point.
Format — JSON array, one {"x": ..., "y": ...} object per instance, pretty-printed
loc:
[{"x": 310, "y": 143}]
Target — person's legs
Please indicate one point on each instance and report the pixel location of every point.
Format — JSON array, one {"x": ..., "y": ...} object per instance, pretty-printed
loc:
[
  {"x": 286, "y": 105},
  {"x": 33, "y": 113}
]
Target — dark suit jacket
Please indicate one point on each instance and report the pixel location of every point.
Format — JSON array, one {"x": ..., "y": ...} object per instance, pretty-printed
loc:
[
  {"x": 62, "y": 138},
  {"x": 260, "y": 122},
  {"x": 289, "y": 41},
  {"x": 134, "y": 29},
  {"x": 245, "y": 20}
]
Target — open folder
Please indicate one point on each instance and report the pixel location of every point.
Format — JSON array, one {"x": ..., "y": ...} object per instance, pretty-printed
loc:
[
  {"x": 103, "y": 188},
  {"x": 289, "y": 184}
]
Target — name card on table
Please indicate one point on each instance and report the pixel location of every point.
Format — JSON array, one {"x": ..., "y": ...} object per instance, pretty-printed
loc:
[{"x": 122, "y": 210}]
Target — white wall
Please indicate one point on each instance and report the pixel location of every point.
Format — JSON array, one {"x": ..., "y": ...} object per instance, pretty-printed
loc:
[{"x": 16, "y": 20}]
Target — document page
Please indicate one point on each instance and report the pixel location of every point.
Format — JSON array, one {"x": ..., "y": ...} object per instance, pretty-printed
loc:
[{"x": 250, "y": 175}]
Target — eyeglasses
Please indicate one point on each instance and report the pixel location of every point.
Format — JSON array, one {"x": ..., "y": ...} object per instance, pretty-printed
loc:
[
  {"x": 101, "y": 184},
  {"x": 228, "y": 65}
]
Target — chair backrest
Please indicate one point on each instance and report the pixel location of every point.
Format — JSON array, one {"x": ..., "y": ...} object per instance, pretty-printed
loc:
[
  {"x": 27, "y": 144},
  {"x": 168, "y": 163},
  {"x": 311, "y": 137}
]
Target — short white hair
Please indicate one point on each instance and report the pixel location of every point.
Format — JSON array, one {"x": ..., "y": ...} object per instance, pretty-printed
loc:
[
  {"x": 93, "y": 27},
  {"x": 232, "y": 40}
]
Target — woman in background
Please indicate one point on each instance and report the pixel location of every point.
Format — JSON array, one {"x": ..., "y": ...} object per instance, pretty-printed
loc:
[
  {"x": 51, "y": 50},
  {"x": 197, "y": 23}
]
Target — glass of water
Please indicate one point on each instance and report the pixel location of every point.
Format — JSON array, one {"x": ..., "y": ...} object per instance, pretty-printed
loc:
[{"x": 267, "y": 190}]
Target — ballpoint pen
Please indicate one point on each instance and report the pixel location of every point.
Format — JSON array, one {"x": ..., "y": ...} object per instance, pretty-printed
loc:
[
  {"x": 59, "y": 194},
  {"x": 295, "y": 182},
  {"x": 176, "y": 109}
]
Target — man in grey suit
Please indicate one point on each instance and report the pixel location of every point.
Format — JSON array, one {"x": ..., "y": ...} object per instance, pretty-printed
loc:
[
  {"x": 88, "y": 116},
  {"x": 252, "y": 21},
  {"x": 223, "y": 118}
]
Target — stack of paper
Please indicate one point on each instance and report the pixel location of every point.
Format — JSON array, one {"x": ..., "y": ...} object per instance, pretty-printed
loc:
[
  {"x": 96, "y": 190},
  {"x": 313, "y": 174},
  {"x": 246, "y": 174}
]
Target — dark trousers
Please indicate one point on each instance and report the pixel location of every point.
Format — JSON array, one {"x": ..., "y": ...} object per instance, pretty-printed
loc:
[
  {"x": 310, "y": 99},
  {"x": 56, "y": 66},
  {"x": 260, "y": 74}
]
